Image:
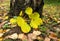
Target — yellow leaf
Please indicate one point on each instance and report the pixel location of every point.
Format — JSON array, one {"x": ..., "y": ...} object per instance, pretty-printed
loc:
[
  {"x": 29, "y": 10},
  {"x": 1, "y": 38},
  {"x": 35, "y": 23},
  {"x": 24, "y": 26},
  {"x": 35, "y": 15},
  {"x": 21, "y": 13},
  {"x": 12, "y": 21},
  {"x": 58, "y": 39},
  {"x": 6, "y": 17}
]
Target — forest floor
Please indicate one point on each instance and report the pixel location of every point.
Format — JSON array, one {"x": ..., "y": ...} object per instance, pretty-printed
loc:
[{"x": 51, "y": 18}]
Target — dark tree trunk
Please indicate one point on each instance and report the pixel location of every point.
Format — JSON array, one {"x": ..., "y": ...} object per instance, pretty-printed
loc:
[{"x": 17, "y": 5}]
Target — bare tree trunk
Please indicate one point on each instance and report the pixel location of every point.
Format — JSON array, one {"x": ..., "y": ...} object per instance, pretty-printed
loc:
[{"x": 17, "y": 5}]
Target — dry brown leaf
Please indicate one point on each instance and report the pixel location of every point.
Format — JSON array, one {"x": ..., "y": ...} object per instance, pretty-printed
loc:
[
  {"x": 36, "y": 32},
  {"x": 22, "y": 36},
  {"x": 2, "y": 23},
  {"x": 1, "y": 38},
  {"x": 47, "y": 39},
  {"x": 53, "y": 35},
  {"x": 1, "y": 30},
  {"x": 32, "y": 36}
]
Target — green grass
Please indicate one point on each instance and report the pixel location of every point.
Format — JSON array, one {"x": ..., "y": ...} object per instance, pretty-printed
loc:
[
  {"x": 52, "y": 2},
  {"x": 52, "y": 9}
]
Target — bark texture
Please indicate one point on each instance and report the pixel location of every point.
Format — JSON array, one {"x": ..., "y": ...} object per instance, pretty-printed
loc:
[{"x": 17, "y": 5}]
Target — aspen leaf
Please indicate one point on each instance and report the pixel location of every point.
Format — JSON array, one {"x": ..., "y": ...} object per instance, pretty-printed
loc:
[
  {"x": 24, "y": 26},
  {"x": 28, "y": 10},
  {"x": 12, "y": 21}
]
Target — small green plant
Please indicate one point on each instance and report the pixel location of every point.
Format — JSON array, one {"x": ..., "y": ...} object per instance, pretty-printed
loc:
[
  {"x": 5, "y": 26},
  {"x": 8, "y": 40},
  {"x": 43, "y": 28}
]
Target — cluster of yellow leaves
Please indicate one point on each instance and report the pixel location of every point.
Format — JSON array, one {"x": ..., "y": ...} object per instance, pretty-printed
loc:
[
  {"x": 35, "y": 23},
  {"x": 24, "y": 26},
  {"x": 35, "y": 20}
]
